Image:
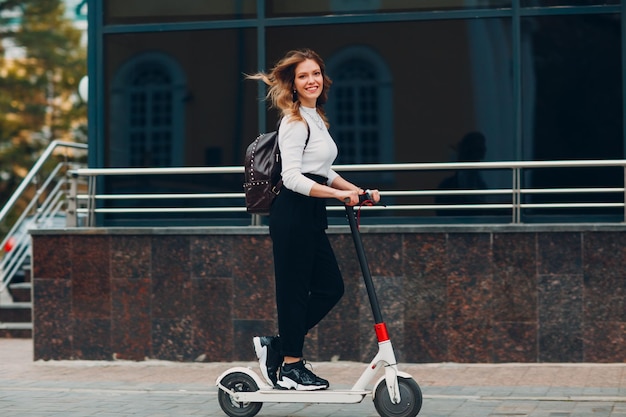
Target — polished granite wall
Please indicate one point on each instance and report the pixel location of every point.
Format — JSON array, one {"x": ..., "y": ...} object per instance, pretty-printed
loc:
[{"x": 455, "y": 295}]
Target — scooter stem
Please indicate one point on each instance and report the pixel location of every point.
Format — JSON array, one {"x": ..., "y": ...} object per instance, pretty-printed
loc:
[{"x": 367, "y": 276}]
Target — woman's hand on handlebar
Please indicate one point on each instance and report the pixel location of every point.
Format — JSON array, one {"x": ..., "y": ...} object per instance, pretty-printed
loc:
[
  {"x": 353, "y": 197},
  {"x": 373, "y": 195},
  {"x": 348, "y": 197}
]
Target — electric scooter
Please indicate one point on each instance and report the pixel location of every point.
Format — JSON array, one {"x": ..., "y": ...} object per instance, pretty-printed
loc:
[{"x": 242, "y": 391}]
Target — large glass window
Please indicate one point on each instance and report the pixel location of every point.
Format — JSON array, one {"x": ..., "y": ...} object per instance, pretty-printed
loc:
[
  {"x": 454, "y": 80},
  {"x": 553, "y": 3},
  {"x": 150, "y": 114},
  {"x": 360, "y": 106},
  {"x": 356, "y": 129},
  {"x": 360, "y": 109},
  {"x": 171, "y": 105},
  {"x": 147, "y": 115},
  {"x": 156, "y": 85},
  {"x": 572, "y": 95},
  {"x": 410, "y": 85},
  {"x": 161, "y": 11},
  {"x": 281, "y": 8}
]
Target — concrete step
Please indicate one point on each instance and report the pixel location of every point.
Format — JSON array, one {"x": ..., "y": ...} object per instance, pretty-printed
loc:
[
  {"x": 16, "y": 307},
  {"x": 21, "y": 292},
  {"x": 16, "y": 330},
  {"x": 19, "y": 312},
  {"x": 27, "y": 272},
  {"x": 22, "y": 275}
]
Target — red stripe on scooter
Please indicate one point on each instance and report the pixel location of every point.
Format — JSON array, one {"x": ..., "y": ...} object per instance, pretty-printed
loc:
[{"x": 381, "y": 332}]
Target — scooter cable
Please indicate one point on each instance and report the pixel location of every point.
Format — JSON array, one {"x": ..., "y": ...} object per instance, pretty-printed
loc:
[{"x": 358, "y": 213}]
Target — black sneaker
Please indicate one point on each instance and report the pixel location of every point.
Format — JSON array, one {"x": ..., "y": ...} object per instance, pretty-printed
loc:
[
  {"x": 267, "y": 349},
  {"x": 297, "y": 376}
]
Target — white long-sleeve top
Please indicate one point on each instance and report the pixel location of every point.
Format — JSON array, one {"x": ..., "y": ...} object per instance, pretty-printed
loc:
[{"x": 316, "y": 158}]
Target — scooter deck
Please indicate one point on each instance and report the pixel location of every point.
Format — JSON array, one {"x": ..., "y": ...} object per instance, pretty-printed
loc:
[{"x": 292, "y": 396}]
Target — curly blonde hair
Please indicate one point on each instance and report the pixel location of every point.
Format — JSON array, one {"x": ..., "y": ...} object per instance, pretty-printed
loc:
[{"x": 280, "y": 80}]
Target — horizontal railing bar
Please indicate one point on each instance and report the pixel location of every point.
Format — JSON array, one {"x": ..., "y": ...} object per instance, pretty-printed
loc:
[
  {"x": 571, "y": 205},
  {"x": 500, "y": 200},
  {"x": 570, "y": 190},
  {"x": 437, "y": 166},
  {"x": 243, "y": 209},
  {"x": 388, "y": 207},
  {"x": 159, "y": 196},
  {"x": 94, "y": 172},
  {"x": 242, "y": 195},
  {"x": 445, "y": 192},
  {"x": 382, "y": 193},
  {"x": 426, "y": 166},
  {"x": 165, "y": 210},
  {"x": 430, "y": 207}
]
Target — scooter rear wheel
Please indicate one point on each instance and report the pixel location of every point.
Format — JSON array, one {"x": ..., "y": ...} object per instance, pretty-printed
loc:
[
  {"x": 238, "y": 382},
  {"x": 410, "y": 399}
]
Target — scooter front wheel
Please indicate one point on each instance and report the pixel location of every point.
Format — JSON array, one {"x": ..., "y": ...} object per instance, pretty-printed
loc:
[
  {"x": 410, "y": 399},
  {"x": 238, "y": 382}
]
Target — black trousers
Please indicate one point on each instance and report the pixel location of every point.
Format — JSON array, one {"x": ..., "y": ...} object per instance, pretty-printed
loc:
[{"x": 308, "y": 281}]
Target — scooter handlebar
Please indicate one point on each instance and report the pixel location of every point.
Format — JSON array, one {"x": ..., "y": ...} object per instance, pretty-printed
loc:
[
  {"x": 367, "y": 196},
  {"x": 362, "y": 198}
]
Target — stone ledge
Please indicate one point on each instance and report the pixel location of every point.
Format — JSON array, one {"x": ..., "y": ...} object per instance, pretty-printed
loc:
[{"x": 395, "y": 228}]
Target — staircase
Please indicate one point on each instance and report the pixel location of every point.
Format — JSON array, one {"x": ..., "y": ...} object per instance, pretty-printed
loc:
[
  {"x": 47, "y": 206},
  {"x": 16, "y": 311}
]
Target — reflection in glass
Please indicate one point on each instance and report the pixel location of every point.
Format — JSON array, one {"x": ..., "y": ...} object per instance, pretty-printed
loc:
[
  {"x": 168, "y": 104},
  {"x": 554, "y": 3},
  {"x": 307, "y": 8},
  {"x": 572, "y": 88},
  {"x": 162, "y": 11},
  {"x": 356, "y": 93},
  {"x": 455, "y": 78},
  {"x": 150, "y": 114},
  {"x": 196, "y": 93}
]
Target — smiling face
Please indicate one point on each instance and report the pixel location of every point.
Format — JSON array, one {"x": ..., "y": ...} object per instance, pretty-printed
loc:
[{"x": 308, "y": 82}]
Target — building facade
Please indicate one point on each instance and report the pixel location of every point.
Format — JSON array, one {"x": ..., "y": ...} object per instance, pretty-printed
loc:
[
  {"x": 530, "y": 80},
  {"x": 535, "y": 80}
]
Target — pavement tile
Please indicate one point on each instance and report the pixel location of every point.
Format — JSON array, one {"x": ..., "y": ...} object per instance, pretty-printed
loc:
[{"x": 161, "y": 388}]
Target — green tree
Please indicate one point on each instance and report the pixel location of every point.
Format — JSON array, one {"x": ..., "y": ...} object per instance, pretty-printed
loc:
[{"x": 38, "y": 91}]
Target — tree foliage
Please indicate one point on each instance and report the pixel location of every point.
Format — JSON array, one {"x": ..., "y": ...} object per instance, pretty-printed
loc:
[{"x": 38, "y": 86}]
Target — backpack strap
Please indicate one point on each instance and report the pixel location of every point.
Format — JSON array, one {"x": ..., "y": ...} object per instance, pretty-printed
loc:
[
  {"x": 308, "y": 134},
  {"x": 279, "y": 184},
  {"x": 308, "y": 131}
]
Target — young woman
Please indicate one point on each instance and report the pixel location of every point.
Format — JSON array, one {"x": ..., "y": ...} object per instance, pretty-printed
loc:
[{"x": 308, "y": 280}]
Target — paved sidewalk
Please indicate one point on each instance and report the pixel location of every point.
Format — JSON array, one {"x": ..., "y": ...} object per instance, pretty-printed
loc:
[{"x": 159, "y": 388}]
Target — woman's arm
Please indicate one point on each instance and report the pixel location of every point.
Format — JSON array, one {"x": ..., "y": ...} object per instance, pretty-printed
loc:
[{"x": 342, "y": 190}]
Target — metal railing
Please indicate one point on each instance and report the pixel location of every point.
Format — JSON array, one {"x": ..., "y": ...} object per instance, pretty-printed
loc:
[
  {"x": 514, "y": 198},
  {"x": 46, "y": 204}
]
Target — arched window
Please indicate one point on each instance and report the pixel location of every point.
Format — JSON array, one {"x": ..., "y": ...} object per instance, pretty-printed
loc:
[
  {"x": 356, "y": 113},
  {"x": 147, "y": 112},
  {"x": 360, "y": 107}
]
